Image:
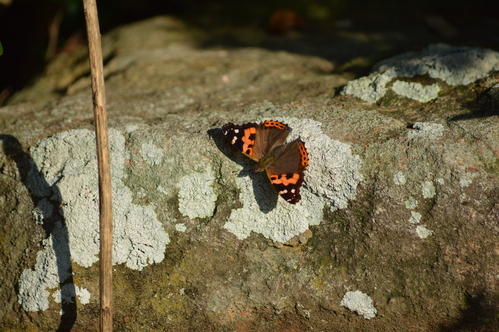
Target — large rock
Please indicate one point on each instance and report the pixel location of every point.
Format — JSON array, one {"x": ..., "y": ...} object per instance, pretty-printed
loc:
[{"x": 397, "y": 228}]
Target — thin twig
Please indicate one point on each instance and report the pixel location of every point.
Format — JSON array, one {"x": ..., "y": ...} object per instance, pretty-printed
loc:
[{"x": 105, "y": 203}]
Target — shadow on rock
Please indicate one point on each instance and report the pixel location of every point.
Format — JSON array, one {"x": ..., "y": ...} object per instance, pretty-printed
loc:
[
  {"x": 480, "y": 315},
  {"x": 486, "y": 105},
  {"x": 35, "y": 181},
  {"x": 265, "y": 195}
]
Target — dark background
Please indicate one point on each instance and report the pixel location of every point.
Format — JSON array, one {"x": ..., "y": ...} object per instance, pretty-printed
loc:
[{"x": 33, "y": 32}]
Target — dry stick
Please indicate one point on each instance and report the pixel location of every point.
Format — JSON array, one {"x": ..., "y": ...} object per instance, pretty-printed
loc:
[{"x": 106, "y": 222}]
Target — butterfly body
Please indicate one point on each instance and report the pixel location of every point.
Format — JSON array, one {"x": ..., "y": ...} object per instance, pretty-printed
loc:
[{"x": 264, "y": 143}]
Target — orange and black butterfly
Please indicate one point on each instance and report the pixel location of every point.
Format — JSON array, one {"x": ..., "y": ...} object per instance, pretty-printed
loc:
[{"x": 264, "y": 143}]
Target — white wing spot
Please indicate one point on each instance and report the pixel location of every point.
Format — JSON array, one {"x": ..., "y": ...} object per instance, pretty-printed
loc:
[
  {"x": 236, "y": 131},
  {"x": 283, "y": 192},
  {"x": 293, "y": 191},
  {"x": 234, "y": 140}
]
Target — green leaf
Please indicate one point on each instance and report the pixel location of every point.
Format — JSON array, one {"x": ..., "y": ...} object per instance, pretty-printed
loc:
[{"x": 1, "y": 49}]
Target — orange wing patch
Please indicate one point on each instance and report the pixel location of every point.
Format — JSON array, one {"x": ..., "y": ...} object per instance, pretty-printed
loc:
[
  {"x": 248, "y": 142},
  {"x": 284, "y": 179},
  {"x": 304, "y": 156},
  {"x": 276, "y": 124}
]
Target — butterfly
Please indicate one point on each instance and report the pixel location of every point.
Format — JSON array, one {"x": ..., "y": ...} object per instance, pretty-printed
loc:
[{"x": 264, "y": 143}]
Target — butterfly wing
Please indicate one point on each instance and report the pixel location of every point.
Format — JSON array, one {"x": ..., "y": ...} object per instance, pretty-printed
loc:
[
  {"x": 286, "y": 170},
  {"x": 242, "y": 137},
  {"x": 256, "y": 140},
  {"x": 269, "y": 135}
]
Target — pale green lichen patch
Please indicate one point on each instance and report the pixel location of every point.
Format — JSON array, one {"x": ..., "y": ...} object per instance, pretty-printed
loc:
[
  {"x": 68, "y": 291},
  {"x": 151, "y": 153},
  {"x": 428, "y": 189},
  {"x": 370, "y": 88},
  {"x": 415, "y": 217},
  {"x": 399, "y": 178},
  {"x": 453, "y": 65},
  {"x": 64, "y": 170},
  {"x": 281, "y": 223},
  {"x": 411, "y": 203},
  {"x": 34, "y": 284},
  {"x": 423, "y": 232},
  {"x": 416, "y": 91},
  {"x": 360, "y": 303},
  {"x": 196, "y": 194}
]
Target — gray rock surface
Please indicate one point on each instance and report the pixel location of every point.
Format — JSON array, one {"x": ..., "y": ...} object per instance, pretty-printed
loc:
[
  {"x": 397, "y": 229},
  {"x": 448, "y": 64}
]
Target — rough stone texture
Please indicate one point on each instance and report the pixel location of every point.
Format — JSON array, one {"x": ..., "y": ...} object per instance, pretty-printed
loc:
[
  {"x": 451, "y": 65},
  {"x": 398, "y": 222}
]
